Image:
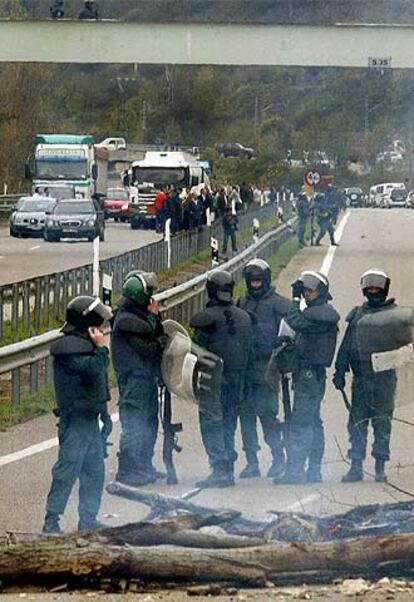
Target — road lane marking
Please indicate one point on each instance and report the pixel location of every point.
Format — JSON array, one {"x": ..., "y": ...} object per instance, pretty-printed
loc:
[
  {"x": 33, "y": 248},
  {"x": 38, "y": 448},
  {"x": 329, "y": 257}
]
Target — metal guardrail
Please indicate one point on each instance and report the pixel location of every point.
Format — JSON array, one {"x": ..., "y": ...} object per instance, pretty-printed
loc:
[
  {"x": 8, "y": 202},
  {"x": 179, "y": 303},
  {"x": 34, "y": 304}
]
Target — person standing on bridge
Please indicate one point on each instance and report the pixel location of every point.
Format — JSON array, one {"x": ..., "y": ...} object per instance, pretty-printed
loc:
[
  {"x": 225, "y": 330},
  {"x": 372, "y": 393},
  {"x": 136, "y": 347},
  {"x": 260, "y": 400},
  {"x": 316, "y": 329},
  {"x": 80, "y": 362}
]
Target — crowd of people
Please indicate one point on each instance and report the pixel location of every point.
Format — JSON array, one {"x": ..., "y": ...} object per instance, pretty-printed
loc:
[{"x": 259, "y": 337}]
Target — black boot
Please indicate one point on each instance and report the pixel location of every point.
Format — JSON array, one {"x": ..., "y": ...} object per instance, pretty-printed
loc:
[
  {"x": 129, "y": 475},
  {"x": 51, "y": 524},
  {"x": 355, "y": 473},
  {"x": 220, "y": 477},
  {"x": 380, "y": 475},
  {"x": 251, "y": 469},
  {"x": 313, "y": 474}
]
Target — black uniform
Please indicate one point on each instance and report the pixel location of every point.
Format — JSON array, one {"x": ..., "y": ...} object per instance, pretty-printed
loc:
[{"x": 81, "y": 387}]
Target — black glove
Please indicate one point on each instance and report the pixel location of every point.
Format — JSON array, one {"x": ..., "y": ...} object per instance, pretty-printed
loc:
[
  {"x": 339, "y": 380},
  {"x": 297, "y": 288}
]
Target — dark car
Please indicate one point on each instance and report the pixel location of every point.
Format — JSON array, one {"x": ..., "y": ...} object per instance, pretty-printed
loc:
[
  {"x": 355, "y": 197},
  {"x": 75, "y": 218},
  {"x": 28, "y": 219},
  {"x": 116, "y": 204},
  {"x": 234, "y": 149}
]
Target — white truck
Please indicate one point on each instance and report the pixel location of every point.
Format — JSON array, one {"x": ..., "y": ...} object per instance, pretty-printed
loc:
[
  {"x": 151, "y": 174},
  {"x": 69, "y": 159}
]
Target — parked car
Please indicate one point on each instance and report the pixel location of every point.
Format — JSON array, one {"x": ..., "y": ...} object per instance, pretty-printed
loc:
[
  {"x": 28, "y": 219},
  {"x": 355, "y": 197},
  {"x": 390, "y": 157},
  {"x": 75, "y": 218},
  {"x": 113, "y": 144},
  {"x": 116, "y": 204},
  {"x": 234, "y": 149},
  {"x": 388, "y": 194},
  {"x": 409, "y": 201}
]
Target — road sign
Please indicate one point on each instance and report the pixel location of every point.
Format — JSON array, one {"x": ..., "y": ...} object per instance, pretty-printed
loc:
[{"x": 312, "y": 176}]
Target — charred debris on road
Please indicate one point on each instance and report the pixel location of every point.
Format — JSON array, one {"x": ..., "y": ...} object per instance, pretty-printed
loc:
[{"x": 183, "y": 544}]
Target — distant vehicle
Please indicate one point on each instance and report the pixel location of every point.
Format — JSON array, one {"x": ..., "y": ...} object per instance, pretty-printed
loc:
[
  {"x": 29, "y": 217},
  {"x": 113, "y": 144},
  {"x": 388, "y": 194},
  {"x": 75, "y": 218},
  {"x": 116, "y": 204},
  {"x": 355, "y": 197},
  {"x": 321, "y": 159},
  {"x": 156, "y": 170},
  {"x": 73, "y": 160},
  {"x": 234, "y": 149},
  {"x": 390, "y": 157}
]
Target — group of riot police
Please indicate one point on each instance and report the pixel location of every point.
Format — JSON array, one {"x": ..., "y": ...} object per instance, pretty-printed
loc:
[
  {"x": 324, "y": 208},
  {"x": 259, "y": 339}
]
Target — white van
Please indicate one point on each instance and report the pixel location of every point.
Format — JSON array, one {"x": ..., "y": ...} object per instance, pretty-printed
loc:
[
  {"x": 388, "y": 194},
  {"x": 113, "y": 144}
]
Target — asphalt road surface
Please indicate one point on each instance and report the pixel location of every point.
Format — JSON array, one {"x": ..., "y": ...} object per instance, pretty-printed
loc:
[
  {"x": 22, "y": 258},
  {"x": 371, "y": 238}
]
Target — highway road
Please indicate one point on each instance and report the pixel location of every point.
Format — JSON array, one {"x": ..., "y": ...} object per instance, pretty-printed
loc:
[
  {"x": 369, "y": 238},
  {"x": 22, "y": 258}
]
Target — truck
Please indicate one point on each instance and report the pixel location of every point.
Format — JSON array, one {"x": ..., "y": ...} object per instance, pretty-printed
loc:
[
  {"x": 156, "y": 170},
  {"x": 69, "y": 159}
]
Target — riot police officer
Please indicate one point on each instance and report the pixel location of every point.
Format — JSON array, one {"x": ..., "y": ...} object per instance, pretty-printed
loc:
[
  {"x": 89, "y": 10},
  {"x": 136, "y": 347},
  {"x": 259, "y": 399},
  {"x": 372, "y": 393},
  {"x": 316, "y": 330},
  {"x": 325, "y": 214},
  {"x": 302, "y": 211},
  {"x": 225, "y": 330},
  {"x": 80, "y": 361}
]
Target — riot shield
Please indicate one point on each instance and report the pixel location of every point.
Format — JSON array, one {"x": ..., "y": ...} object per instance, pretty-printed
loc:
[
  {"x": 384, "y": 342},
  {"x": 191, "y": 372}
]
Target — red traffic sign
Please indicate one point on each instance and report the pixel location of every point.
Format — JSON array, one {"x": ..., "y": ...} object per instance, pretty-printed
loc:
[{"x": 312, "y": 176}]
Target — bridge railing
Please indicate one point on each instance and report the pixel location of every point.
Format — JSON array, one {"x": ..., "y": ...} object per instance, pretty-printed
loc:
[
  {"x": 26, "y": 366},
  {"x": 30, "y": 306}
]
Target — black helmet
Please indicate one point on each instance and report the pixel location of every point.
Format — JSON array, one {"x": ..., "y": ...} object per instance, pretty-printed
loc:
[
  {"x": 375, "y": 278},
  {"x": 220, "y": 285},
  {"x": 316, "y": 281},
  {"x": 257, "y": 269},
  {"x": 85, "y": 311}
]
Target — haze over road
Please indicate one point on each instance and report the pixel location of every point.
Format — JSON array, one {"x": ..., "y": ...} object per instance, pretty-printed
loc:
[
  {"x": 371, "y": 238},
  {"x": 22, "y": 258}
]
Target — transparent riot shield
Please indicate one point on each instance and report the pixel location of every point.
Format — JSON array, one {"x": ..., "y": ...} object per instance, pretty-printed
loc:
[
  {"x": 191, "y": 372},
  {"x": 384, "y": 340}
]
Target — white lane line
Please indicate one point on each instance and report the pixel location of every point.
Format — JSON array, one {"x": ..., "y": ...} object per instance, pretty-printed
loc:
[
  {"x": 38, "y": 448},
  {"x": 33, "y": 248},
  {"x": 329, "y": 257},
  {"x": 301, "y": 504}
]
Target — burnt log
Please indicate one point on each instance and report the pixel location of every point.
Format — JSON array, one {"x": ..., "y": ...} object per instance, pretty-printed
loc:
[{"x": 83, "y": 555}]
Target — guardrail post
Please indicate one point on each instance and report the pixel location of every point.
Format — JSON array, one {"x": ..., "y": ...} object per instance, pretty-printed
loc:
[{"x": 15, "y": 386}]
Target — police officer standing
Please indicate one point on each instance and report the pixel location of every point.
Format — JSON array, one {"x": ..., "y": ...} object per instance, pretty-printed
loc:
[
  {"x": 302, "y": 211},
  {"x": 372, "y": 393},
  {"x": 80, "y": 362},
  {"x": 89, "y": 10},
  {"x": 225, "y": 330},
  {"x": 136, "y": 347},
  {"x": 316, "y": 332},
  {"x": 325, "y": 215},
  {"x": 260, "y": 400}
]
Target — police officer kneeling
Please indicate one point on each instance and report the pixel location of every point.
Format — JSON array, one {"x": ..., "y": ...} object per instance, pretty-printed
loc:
[
  {"x": 226, "y": 331},
  {"x": 136, "y": 347},
  {"x": 372, "y": 393},
  {"x": 316, "y": 332},
  {"x": 259, "y": 399},
  {"x": 80, "y": 362}
]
